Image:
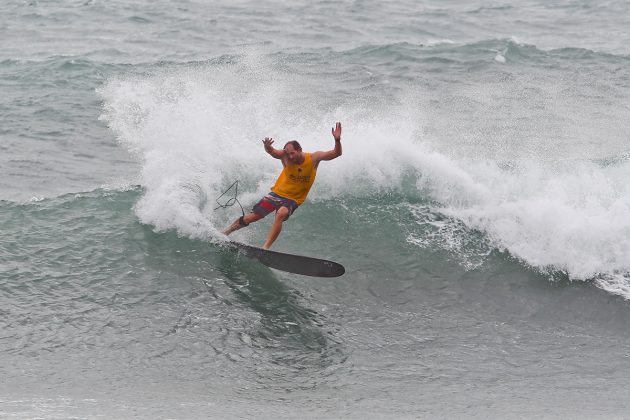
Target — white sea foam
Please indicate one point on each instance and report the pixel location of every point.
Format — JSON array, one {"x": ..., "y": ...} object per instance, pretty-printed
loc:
[{"x": 575, "y": 219}]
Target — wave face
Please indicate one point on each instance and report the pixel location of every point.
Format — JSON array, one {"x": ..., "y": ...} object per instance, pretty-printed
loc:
[{"x": 531, "y": 161}]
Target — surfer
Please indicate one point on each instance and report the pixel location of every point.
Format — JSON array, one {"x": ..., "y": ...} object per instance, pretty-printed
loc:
[{"x": 291, "y": 187}]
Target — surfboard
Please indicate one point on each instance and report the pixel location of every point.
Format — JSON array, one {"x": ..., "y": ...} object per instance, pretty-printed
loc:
[{"x": 298, "y": 264}]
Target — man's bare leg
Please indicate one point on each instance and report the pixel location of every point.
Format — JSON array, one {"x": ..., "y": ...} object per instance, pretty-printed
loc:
[
  {"x": 248, "y": 218},
  {"x": 276, "y": 228}
]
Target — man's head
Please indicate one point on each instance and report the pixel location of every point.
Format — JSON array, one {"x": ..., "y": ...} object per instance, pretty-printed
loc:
[{"x": 293, "y": 151}]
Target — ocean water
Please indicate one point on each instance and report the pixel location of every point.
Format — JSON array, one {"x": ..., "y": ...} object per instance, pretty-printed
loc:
[{"x": 481, "y": 208}]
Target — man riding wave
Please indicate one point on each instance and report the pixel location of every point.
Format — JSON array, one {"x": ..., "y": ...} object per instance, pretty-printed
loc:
[{"x": 291, "y": 187}]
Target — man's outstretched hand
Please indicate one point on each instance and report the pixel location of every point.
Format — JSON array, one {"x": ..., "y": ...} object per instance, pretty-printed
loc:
[
  {"x": 336, "y": 132},
  {"x": 268, "y": 141}
]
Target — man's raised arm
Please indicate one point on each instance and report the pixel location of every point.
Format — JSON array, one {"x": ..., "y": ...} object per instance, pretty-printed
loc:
[
  {"x": 278, "y": 154},
  {"x": 334, "y": 153}
]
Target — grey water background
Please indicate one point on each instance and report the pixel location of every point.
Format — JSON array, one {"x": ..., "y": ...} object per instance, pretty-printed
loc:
[{"x": 480, "y": 209}]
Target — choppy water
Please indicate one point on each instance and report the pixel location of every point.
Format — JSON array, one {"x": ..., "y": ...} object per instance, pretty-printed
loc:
[{"x": 481, "y": 209}]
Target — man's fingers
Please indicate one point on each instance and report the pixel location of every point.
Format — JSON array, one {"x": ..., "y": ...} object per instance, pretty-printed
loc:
[{"x": 337, "y": 129}]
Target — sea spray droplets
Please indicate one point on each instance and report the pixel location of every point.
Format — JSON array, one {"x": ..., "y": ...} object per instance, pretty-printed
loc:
[{"x": 193, "y": 133}]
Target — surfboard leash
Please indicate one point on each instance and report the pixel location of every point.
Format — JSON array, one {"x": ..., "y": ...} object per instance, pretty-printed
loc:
[{"x": 230, "y": 202}]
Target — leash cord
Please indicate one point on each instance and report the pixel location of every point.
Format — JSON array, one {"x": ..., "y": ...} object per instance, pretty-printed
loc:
[{"x": 232, "y": 200}]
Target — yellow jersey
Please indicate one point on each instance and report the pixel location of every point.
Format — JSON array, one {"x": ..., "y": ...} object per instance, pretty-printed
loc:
[{"x": 295, "y": 181}]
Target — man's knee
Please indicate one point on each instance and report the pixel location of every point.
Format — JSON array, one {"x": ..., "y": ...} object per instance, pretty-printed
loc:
[{"x": 282, "y": 214}]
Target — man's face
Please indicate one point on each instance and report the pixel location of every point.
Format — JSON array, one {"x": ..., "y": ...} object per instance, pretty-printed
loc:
[{"x": 293, "y": 155}]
